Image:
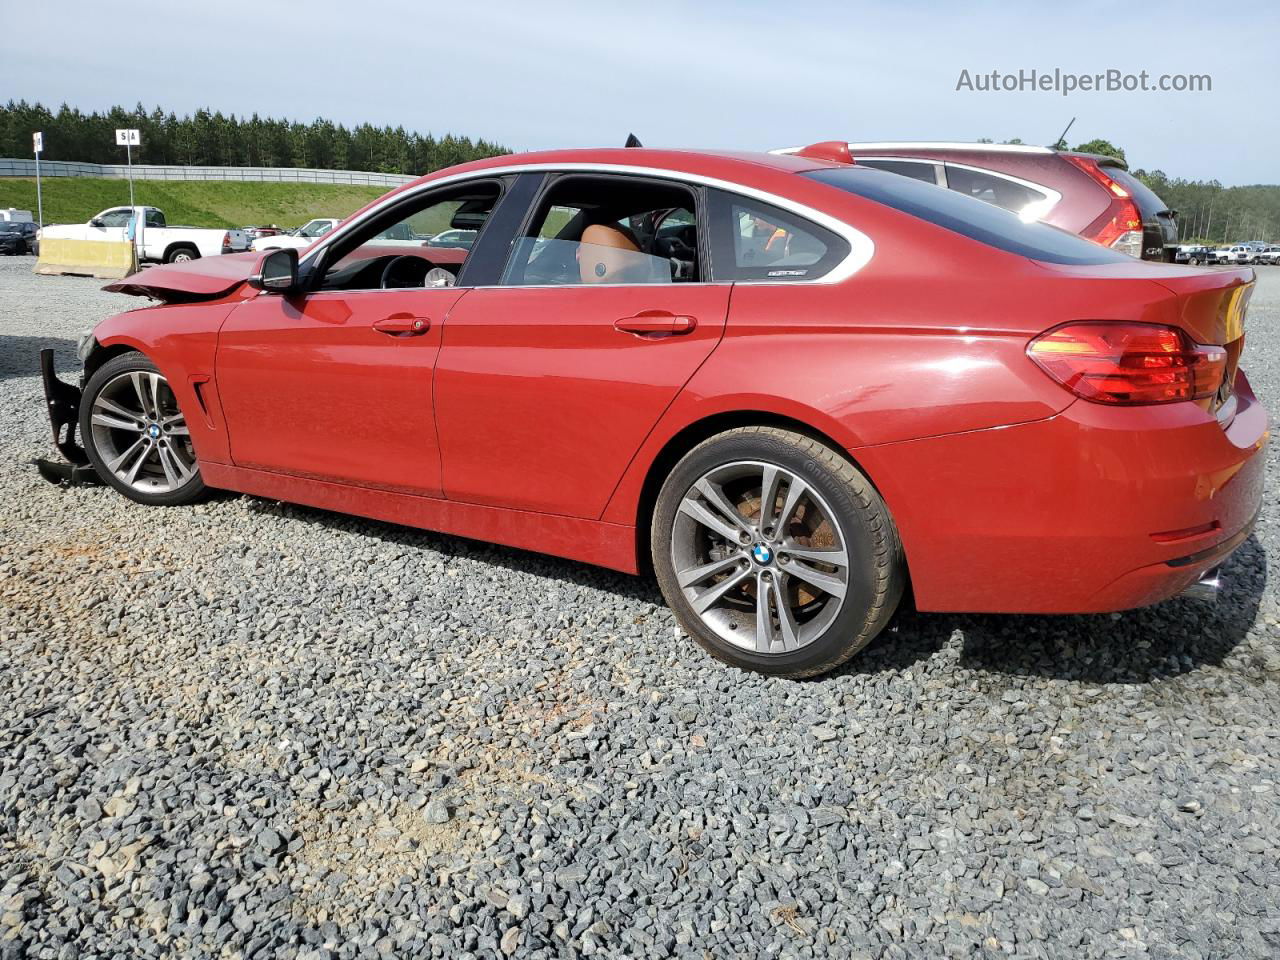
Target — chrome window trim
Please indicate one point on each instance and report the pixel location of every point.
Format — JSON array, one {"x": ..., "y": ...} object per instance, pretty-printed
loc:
[
  {"x": 861, "y": 246},
  {"x": 1051, "y": 197}
]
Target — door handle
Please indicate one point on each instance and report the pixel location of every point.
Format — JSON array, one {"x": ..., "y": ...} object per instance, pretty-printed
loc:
[
  {"x": 402, "y": 325},
  {"x": 656, "y": 323}
]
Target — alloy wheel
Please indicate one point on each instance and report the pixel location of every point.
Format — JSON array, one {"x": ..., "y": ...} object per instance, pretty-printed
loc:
[
  {"x": 759, "y": 556},
  {"x": 140, "y": 433}
]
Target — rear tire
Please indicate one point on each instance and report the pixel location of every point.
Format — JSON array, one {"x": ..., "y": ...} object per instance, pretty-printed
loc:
[
  {"x": 775, "y": 553},
  {"x": 181, "y": 255},
  {"x": 136, "y": 436}
]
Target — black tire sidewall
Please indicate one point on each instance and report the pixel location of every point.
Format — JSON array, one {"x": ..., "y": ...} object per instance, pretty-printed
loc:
[
  {"x": 190, "y": 491},
  {"x": 846, "y": 634}
]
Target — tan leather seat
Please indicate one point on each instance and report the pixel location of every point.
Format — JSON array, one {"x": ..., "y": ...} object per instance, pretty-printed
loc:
[{"x": 607, "y": 255}]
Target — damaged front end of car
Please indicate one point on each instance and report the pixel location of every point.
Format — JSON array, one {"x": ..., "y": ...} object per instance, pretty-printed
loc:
[{"x": 62, "y": 400}]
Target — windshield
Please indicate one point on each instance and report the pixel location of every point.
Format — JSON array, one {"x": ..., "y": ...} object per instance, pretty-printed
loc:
[
  {"x": 10, "y": 227},
  {"x": 315, "y": 228},
  {"x": 968, "y": 216}
]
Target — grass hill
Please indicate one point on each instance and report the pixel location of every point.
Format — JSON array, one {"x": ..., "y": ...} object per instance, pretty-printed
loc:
[{"x": 196, "y": 203}]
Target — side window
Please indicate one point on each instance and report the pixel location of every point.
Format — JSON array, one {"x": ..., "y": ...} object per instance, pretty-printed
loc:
[
  {"x": 915, "y": 169},
  {"x": 752, "y": 240},
  {"x": 608, "y": 230},
  {"x": 155, "y": 218},
  {"x": 424, "y": 242},
  {"x": 1014, "y": 197},
  {"x": 116, "y": 218}
]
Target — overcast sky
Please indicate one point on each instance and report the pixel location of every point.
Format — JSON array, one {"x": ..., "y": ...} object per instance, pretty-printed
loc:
[{"x": 748, "y": 75}]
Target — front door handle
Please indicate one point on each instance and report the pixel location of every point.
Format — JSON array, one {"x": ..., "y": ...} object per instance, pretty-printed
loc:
[
  {"x": 656, "y": 323},
  {"x": 402, "y": 325}
]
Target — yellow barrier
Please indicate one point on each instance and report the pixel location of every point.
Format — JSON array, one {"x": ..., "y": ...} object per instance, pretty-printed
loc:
[{"x": 105, "y": 259}]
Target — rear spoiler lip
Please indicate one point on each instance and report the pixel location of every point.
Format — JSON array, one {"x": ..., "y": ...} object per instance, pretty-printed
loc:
[{"x": 1220, "y": 320}]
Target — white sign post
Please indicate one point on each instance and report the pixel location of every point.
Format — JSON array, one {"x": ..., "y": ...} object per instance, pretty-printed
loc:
[
  {"x": 37, "y": 142},
  {"x": 129, "y": 139}
]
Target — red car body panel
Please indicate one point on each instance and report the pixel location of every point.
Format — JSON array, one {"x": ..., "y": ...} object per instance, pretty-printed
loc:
[
  {"x": 543, "y": 410},
  {"x": 522, "y": 416},
  {"x": 310, "y": 388},
  {"x": 1080, "y": 502}
]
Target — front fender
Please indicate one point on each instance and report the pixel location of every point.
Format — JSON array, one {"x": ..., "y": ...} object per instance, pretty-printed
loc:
[{"x": 181, "y": 340}]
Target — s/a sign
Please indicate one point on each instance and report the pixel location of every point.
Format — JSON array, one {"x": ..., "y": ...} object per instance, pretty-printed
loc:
[
  {"x": 37, "y": 141},
  {"x": 128, "y": 138}
]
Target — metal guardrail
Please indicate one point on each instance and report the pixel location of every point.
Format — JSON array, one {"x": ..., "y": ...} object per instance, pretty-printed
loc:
[{"x": 149, "y": 171}]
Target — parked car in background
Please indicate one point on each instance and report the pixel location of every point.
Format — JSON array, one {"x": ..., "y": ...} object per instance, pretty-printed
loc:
[
  {"x": 773, "y": 380},
  {"x": 153, "y": 238},
  {"x": 300, "y": 238},
  {"x": 1270, "y": 255},
  {"x": 453, "y": 238},
  {"x": 18, "y": 237},
  {"x": 13, "y": 215},
  {"x": 1089, "y": 194},
  {"x": 1192, "y": 253}
]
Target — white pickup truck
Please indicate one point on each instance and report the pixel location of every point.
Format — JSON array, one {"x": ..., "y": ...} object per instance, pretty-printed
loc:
[{"x": 152, "y": 236}]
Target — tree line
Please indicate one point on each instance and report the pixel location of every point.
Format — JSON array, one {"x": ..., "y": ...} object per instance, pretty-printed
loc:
[{"x": 212, "y": 138}]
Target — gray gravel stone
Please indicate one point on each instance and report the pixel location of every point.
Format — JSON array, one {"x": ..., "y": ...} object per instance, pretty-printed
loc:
[{"x": 248, "y": 728}]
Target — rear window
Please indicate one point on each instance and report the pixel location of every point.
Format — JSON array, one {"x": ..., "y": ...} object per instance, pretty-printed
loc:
[
  {"x": 969, "y": 217},
  {"x": 915, "y": 169},
  {"x": 1149, "y": 205}
]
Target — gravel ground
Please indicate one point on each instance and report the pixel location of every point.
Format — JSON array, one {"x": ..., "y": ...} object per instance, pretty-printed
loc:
[{"x": 248, "y": 729}]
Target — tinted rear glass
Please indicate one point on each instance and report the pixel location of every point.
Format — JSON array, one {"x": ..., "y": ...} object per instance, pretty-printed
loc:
[
  {"x": 968, "y": 217},
  {"x": 1149, "y": 205}
]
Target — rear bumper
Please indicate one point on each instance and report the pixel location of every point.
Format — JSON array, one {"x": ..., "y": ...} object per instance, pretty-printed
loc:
[{"x": 1095, "y": 509}]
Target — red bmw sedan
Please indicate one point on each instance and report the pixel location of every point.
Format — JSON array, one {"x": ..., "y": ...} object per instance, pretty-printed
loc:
[{"x": 789, "y": 386}]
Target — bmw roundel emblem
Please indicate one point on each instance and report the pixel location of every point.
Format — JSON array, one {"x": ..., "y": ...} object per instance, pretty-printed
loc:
[
  {"x": 761, "y": 554},
  {"x": 153, "y": 431}
]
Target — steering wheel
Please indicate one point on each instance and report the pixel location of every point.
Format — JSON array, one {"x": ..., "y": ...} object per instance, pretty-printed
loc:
[{"x": 412, "y": 271}]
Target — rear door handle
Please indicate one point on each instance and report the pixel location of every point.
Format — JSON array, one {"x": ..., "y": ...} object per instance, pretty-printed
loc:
[
  {"x": 656, "y": 323},
  {"x": 402, "y": 325}
]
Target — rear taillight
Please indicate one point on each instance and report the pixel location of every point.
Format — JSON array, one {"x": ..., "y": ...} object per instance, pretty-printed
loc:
[
  {"x": 1129, "y": 363},
  {"x": 226, "y": 239},
  {"x": 1120, "y": 226}
]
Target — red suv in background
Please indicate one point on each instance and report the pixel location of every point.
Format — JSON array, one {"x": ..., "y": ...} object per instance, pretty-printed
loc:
[{"x": 1092, "y": 195}]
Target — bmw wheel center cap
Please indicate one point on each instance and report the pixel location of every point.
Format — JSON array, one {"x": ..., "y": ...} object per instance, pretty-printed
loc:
[
  {"x": 761, "y": 554},
  {"x": 153, "y": 431}
]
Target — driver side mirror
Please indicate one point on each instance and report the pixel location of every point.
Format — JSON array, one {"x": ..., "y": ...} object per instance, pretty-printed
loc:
[
  {"x": 277, "y": 271},
  {"x": 95, "y": 222}
]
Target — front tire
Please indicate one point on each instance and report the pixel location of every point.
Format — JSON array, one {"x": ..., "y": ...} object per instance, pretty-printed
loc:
[
  {"x": 775, "y": 553},
  {"x": 136, "y": 436}
]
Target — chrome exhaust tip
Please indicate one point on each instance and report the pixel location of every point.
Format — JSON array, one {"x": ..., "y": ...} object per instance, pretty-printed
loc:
[{"x": 1207, "y": 587}]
